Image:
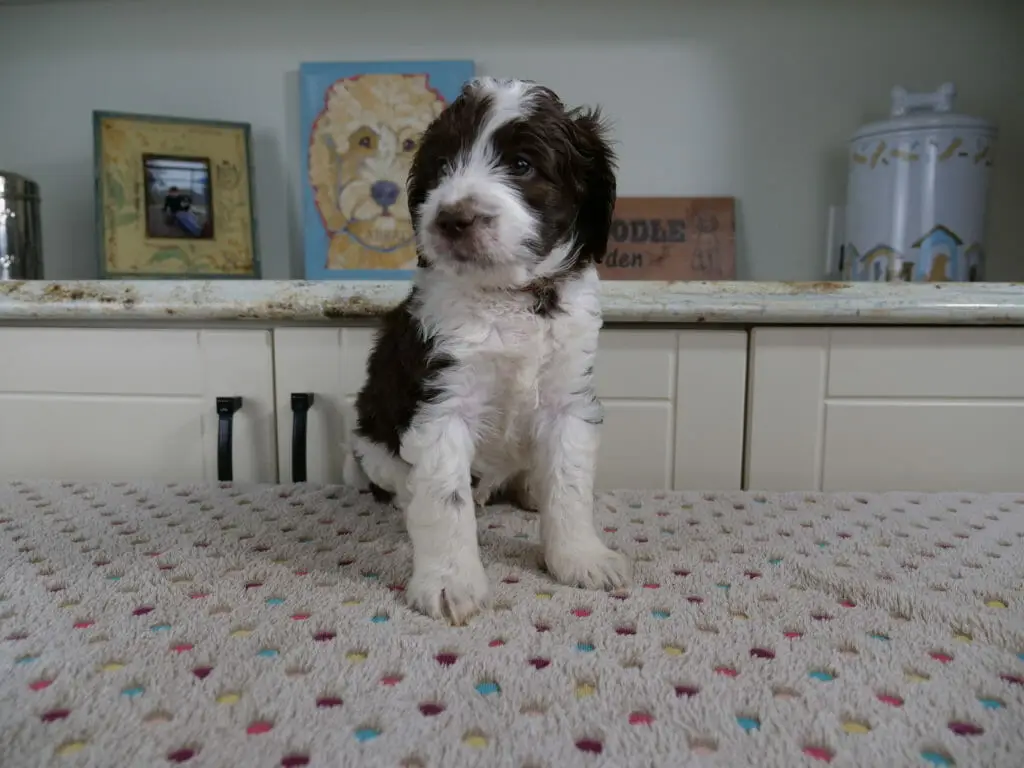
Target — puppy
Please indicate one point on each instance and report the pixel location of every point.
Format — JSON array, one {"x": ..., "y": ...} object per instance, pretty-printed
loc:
[{"x": 483, "y": 377}]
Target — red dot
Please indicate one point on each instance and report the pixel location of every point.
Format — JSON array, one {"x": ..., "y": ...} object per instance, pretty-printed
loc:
[
  {"x": 891, "y": 700},
  {"x": 686, "y": 691},
  {"x": 762, "y": 653},
  {"x": 1012, "y": 679},
  {"x": 752, "y": 574},
  {"x": 610, "y": 529},
  {"x": 496, "y": 643},
  {"x": 640, "y": 539},
  {"x": 430, "y": 709},
  {"x": 294, "y": 761},
  {"x": 54, "y": 715},
  {"x": 39, "y": 685},
  {"x": 641, "y": 718},
  {"x": 15, "y": 636},
  {"x": 258, "y": 727},
  {"x": 396, "y": 587},
  {"x": 84, "y": 624},
  {"x": 328, "y": 702},
  {"x": 847, "y": 603},
  {"x": 182, "y": 647},
  {"x": 324, "y": 635},
  {"x": 581, "y": 613},
  {"x": 652, "y": 585},
  {"x": 199, "y": 595},
  {"x": 253, "y": 585},
  {"x": 541, "y": 627},
  {"x": 510, "y": 580},
  {"x": 727, "y": 671},
  {"x": 965, "y": 729},
  {"x": 819, "y": 753},
  {"x": 843, "y": 535},
  {"x": 821, "y": 617},
  {"x": 300, "y": 616},
  {"x": 446, "y": 659},
  {"x": 202, "y": 672},
  {"x": 592, "y": 746},
  {"x": 945, "y": 658},
  {"x": 539, "y": 663},
  {"x": 681, "y": 572},
  {"x": 142, "y": 610},
  {"x": 181, "y": 755},
  {"x": 792, "y": 634},
  {"x": 101, "y": 563},
  {"x": 625, "y": 631},
  {"x": 695, "y": 600},
  {"x": 391, "y": 680}
]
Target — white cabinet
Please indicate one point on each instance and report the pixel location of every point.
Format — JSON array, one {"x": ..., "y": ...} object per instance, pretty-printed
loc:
[
  {"x": 875, "y": 409},
  {"x": 133, "y": 404},
  {"x": 673, "y": 403}
]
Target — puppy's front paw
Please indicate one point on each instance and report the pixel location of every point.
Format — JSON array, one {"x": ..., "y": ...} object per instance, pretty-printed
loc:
[
  {"x": 588, "y": 564},
  {"x": 452, "y": 591}
]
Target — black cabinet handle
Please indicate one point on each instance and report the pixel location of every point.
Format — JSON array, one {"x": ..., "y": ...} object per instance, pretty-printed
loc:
[
  {"x": 226, "y": 408},
  {"x": 301, "y": 403}
]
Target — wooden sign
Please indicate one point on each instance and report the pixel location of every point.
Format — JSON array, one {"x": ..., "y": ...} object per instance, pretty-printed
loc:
[{"x": 672, "y": 238}]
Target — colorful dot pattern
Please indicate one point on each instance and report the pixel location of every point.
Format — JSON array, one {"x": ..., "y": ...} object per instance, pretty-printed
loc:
[{"x": 266, "y": 626}]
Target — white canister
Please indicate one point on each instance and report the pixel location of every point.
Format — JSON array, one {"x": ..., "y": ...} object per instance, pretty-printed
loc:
[{"x": 918, "y": 193}]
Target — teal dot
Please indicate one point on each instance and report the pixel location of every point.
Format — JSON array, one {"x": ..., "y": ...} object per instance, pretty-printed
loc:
[
  {"x": 160, "y": 627},
  {"x": 723, "y": 586},
  {"x": 585, "y": 647},
  {"x": 379, "y": 619},
  {"x": 135, "y": 690},
  {"x": 660, "y": 614},
  {"x": 267, "y": 653},
  {"x": 370, "y": 576},
  {"x": 878, "y": 636},
  {"x": 936, "y": 758},
  {"x": 275, "y": 600},
  {"x": 822, "y": 675},
  {"x": 1021, "y": 655},
  {"x": 521, "y": 536},
  {"x": 748, "y": 723},
  {"x": 991, "y": 703},
  {"x": 822, "y": 544},
  {"x": 26, "y": 659},
  {"x": 488, "y": 687},
  {"x": 367, "y": 734},
  {"x": 775, "y": 561},
  {"x": 113, "y": 578}
]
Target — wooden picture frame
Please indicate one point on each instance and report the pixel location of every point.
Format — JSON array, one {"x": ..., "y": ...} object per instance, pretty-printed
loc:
[{"x": 174, "y": 198}]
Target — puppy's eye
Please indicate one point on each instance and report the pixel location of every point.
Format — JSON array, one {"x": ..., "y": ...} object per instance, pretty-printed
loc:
[
  {"x": 365, "y": 142},
  {"x": 521, "y": 166},
  {"x": 408, "y": 145}
]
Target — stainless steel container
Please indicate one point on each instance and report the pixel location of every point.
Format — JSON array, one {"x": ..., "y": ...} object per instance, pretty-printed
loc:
[{"x": 21, "y": 247}]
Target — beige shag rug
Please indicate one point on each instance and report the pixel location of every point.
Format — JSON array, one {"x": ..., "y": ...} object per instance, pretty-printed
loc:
[{"x": 265, "y": 626}]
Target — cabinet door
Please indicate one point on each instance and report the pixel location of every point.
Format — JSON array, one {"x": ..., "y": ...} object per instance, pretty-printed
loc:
[
  {"x": 330, "y": 364},
  {"x": 878, "y": 409},
  {"x": 133, "y": 404}
]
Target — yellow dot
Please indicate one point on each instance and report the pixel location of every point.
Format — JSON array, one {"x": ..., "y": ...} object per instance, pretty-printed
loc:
[
  {"x": 995, "y": 603},
  {"x": 543, "y": 595},
  {"x": 852, "y": 726},
  {"x": 962, "y": 637},
  {"x": 739, "y": 615},
  {"x": 351, "y": 602},
  {"x": 475, "y": 740},
  {"x": 228, "y": 698},
  {"x": 584, "y": 689},
  {"x": 914, "y": 677},
  {"x": 673, "y": 650},
  {"x": 241, "y": 632},
  {"x": 69, "y": 604},
  {"x": 355, "y": 656},
  {"x": 112, "y": 666},
  {"x": 70, "y": 748}
]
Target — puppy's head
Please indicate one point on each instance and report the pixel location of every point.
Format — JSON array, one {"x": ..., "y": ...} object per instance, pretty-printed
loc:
[{"x": 508, "y": 185}]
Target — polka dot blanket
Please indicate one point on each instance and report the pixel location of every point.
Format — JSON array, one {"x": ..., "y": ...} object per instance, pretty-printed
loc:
[{"x": 146, "y": 626}]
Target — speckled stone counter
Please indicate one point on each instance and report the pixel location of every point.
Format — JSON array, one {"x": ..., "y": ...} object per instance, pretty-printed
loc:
[{"x": 744, "y": 303}]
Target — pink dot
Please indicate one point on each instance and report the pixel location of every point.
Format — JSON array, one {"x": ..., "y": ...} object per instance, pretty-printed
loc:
[
  {"x": 652, "y": 585},
  {"x": 539, "y": 663},
  {"x": 1012, "y": 679},
  {"x": 726, "y": 671},
  {"x": 328, "y": 702},
  {"x": 294, "y": 761},
  {"x": 686, "y": 691},
  {"x": 610, "y": 529},
  {"x": 258, "y": 727},
  {"x": 430, "y": 709},
  {"x": 818, "y": 753},
  {"x": 625, "y": 631},
  {"x": 324, "y": 636},
  {"x": 142, "y": 610},
  {"x": 681, "y": 572},
  {"x": 446, "y": 659},
  {"x": 945, "y": 658},
  {"x": 593, "y": 746},
  {"x": 762, "y": 653},
  {"x": 821, "y": 617},
  {"x": 54, "y": 715},
  {"x": 202, "y": 672},
  {"x": 695, "y": 600},
  {"x": 83, "y": 624},
  {"x": 792, "y": 634},
  {"x": 396, "y": 587},
  {"x": 891, "y": 700},
  {"x": 641, "y": 718},
  {"x": 182, "y": 647},
  {"x": 199, "y": 595},
  {"x": 847, "y": 603},
  {"x": 393, "y": 680},
  {"x": 510, "y": 580},
  {"x": 300, "y": 616},
  {"x": 181, "y": 755},
  {"x": 965, "y": 729},
  {"x": 496, "y": 643},
  {"x": 40, "y": 685},
  {"x": 581, "y": 613}
]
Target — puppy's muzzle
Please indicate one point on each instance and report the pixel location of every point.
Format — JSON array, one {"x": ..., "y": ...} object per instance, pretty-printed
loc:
[{"x": 457, "y": 222}]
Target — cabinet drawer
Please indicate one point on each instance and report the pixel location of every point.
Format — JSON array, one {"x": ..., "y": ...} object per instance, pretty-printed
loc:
[
  {"x": 636, "y": 364},
  {"x": 926, "y": 362}
]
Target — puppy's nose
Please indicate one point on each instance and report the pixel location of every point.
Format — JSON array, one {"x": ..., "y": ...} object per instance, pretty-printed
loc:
[{"x": 453, "y": 220}]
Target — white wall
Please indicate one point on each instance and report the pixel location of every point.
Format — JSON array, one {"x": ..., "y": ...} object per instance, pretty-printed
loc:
[{"x": 753, "y": 98}]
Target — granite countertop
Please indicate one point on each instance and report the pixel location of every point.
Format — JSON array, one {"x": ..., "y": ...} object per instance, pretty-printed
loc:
[{"x": 280, "y": 301}]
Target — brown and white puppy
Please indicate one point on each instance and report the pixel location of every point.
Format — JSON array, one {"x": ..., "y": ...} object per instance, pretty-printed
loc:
[{"x": 482, "y": 377}]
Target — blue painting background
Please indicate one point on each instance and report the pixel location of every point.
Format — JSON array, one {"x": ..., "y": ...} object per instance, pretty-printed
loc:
[{"x": 447, "y": 77}]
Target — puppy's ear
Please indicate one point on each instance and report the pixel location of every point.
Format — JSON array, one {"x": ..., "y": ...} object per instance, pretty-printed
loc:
[{"x": 594, "y": 174}]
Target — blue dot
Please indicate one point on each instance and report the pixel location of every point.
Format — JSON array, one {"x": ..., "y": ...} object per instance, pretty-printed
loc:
[
  {"x": 267, "y": 653},
  {"x": 585, "y": 647},
  {"x": 275, "y": 600},
  {"x": 379, "y": 619},
  {"x": 487, "y": 688},
  {"x": 748, "y": 723},
  {"x": 822, "y": 675},
  {"x": 936, "y": 758},
  {"x": 367, "y": 734},
  {"x": 991, "y": 703},
  {"x": 160, "y": 627},
  {"x": 136, "y": 690},
  {"x": 660, "y": 614},
  {"x": 26, "y": 659},
  {"x": 1021, "y": 655}
]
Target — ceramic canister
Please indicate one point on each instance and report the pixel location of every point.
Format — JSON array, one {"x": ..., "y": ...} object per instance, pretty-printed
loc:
[{"x": 917, "y": 192}]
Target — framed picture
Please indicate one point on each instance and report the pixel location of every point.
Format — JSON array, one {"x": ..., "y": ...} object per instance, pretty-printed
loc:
[
  {"x": 672, "y": 238},
  {"x": 174, "y": 198},
  {"x": 360, "y": 127}
]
